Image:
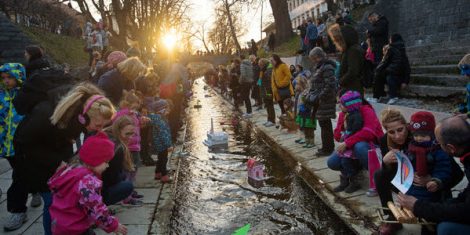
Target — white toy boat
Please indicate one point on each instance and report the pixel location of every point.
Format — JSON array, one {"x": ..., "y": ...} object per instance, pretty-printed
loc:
[{"x": 216, "y": 139}]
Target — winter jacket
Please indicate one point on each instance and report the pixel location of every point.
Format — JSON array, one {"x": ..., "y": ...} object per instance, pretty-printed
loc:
[
  {"x": 134, "y": 141},
  {"x": 371, "y": 131},
  {"x": 76, "y": 202},
  {"x": 9, "y": 118},
  {"x": 36, "y": 64},
  {"x": 395, "y": 62},
  {"x": 265, "y": 76},
  {"x": 115, "y": 172},
  {"x": 246, "y": 72},
  {"x": 312, "y": 32},
  {"x": 304, "y": 118},
  {"x": 113, "y": 83},
  {"x": 281, "y": 79},
  {"x": 324, "y": 82},
  {"x": 439, "y": 167},
  {"x": 455, "y": 210},
  {"x": 303, "y": 30},
  {"x": 97, "y": 40},
  {"x": 161, "y": 133},
  {"x": 379, "y": 34},
  {"x": 39, "y": 145},
  {"x": 178, "y": 75},
  {"x": 352, "y": 57}
]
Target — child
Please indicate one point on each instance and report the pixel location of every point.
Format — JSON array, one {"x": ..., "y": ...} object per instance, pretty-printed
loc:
[
  {"x": 303, "y": 118},
  {"x": 77, "y": 204},
  {"x": 161, "y": 133},
  {"x": 287, "y": 120},
  {"x": 350, "y": 104},
  {"x": 431, "y": 164}
]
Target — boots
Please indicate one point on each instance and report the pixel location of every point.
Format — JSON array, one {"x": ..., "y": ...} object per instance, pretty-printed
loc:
[
  {"x": 354, "y": 184},
  {"x": 343, "y": 183}
]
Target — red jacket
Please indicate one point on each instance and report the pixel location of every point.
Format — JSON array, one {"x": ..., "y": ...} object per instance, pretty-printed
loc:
[{"x": 370, "y": 132}]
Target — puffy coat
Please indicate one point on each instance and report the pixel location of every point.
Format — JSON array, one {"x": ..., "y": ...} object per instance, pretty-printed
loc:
[
  {"x": 324, "y": 82},
  {"x": 455, "y": 210},
  {"x": 246, "y": 72},
  {"x": 352, "y": 57},
  {"x": 281, "y": 78},
  {"x": 370, "y": 132}
]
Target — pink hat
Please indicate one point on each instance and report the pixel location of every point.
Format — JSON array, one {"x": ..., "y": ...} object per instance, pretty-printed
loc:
[
  {"x": 96, "y": 150},
  {"x": 115, "y": 58}
]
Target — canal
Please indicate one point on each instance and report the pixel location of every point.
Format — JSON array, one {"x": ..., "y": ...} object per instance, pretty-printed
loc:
[{"x": 213, "y": 196}]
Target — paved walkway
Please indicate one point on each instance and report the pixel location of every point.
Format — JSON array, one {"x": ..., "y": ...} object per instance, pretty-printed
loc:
[
  {"x": 151, "y": 218},
  {"x": 350, "y": 207}
]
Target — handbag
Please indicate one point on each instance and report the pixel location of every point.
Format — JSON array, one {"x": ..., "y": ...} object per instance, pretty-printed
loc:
[{"x": 283, "y": 92}]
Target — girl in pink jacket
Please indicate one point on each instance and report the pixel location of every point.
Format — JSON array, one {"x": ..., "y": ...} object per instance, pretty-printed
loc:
[{"x": 77, "y": 204}]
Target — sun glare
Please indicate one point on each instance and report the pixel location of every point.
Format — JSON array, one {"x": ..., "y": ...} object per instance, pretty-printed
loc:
[{"x": 169, "y": 40}]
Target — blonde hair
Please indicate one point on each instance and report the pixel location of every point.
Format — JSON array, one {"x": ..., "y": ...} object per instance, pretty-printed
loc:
[
  {"x": 390, "y": 115},
  {"x": 264, "y": 61},
  {"x": 128, "y": 98},
  {"x": 131, "y": 68},
  {"x": 73, "y": 104},
  {"x": 152, "y": 77},
  {"x": 115, "y": 131}
]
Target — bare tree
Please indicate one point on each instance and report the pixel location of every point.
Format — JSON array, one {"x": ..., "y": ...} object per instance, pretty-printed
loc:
[
  {"x": 200, "y": 34},
  {"x": 220, "y": 35}
]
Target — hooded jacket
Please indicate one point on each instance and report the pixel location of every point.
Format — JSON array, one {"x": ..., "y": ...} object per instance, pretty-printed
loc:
[
  {"x": 280, "y": 79},
  {"x": 9, "y": 118},
  {"x": 112, "y": 83},
  {"x": 324, "y": 83},
  {"x": 246, "y": 72},
  {"x": 36, "y": 64},
  {"x": 352, "y": 57},
  {"x": 379, "y": 34},
  {"x": 395, "y": 62},
  {"x": 39, "y": 145},
  {"x": 77, "y": 204}
]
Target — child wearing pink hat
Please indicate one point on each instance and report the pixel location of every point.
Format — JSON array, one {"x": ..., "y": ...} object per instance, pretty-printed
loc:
[{"x": 77, "y": 204}]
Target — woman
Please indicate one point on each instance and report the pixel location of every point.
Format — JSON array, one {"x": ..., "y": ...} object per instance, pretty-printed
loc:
[
  {"x": 35, "y": 59},
  {"x": 321, "y": 27},
  {"x": 44, "y": 139},
  {"x": 121, "y": 78},
  {"x": 352, "y": 57},
  {"x": 280, "y": 82},
  {"x": 115, "y": 186},
  {"x": 359, "y": 143},
  {"x": 266, "y": 92},
  {"x": 323, "y": 84}
]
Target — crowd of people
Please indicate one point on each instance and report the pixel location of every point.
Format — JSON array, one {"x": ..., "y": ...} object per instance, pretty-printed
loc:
[
  {"x": 307, "y": 96},
  {"x": 115, "y": 122}
]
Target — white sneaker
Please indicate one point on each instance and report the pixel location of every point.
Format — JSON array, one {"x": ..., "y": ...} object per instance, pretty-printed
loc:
[
  {"x": 247, "y": 115},
  {"x": 15, "y": 221},
  {"x": 371, "y": 100},
  {"x": 392, "y": 100},
  {"x": 269, "y": 124},
  {"x": 266, "y": 123}
]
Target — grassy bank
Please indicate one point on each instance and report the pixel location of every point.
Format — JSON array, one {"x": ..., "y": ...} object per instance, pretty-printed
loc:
[
  {"x": 286, "y": 49},
  {"x": 63, "y": 49}
]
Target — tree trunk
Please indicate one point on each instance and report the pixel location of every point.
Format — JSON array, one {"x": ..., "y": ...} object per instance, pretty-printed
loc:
[
  {"x": 281, "y": 20},
  {"x": 232, "y": 27}
]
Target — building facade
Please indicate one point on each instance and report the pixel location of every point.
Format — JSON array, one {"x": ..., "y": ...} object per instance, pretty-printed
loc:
[{"x": 300, "y": 10}]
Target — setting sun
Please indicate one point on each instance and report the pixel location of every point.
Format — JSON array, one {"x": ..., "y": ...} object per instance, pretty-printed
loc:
[{"x": 169, "y": 40}]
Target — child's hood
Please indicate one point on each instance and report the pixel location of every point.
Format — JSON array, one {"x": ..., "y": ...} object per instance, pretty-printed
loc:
[
  {"x": 15, "y": 70},
  {"x": 63, "y": 182}
]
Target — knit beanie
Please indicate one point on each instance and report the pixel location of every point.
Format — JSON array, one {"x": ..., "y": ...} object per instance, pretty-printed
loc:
[
  {"x": 422, "y": 122},
  {"x": 158, "y": 105},
  {"x": 15, "y": 70},
  {"x": 115, "y": 58},
  {"x": 96, "y": 150},
  {"x": 351, "y": 100}
]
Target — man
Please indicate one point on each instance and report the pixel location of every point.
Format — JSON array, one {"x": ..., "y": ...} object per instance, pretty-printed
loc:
[
  {"x": 303, "y": 31},
  {"x": 246, "y": 81},
  {"x": 255, "y": 93},
  {"x": 378, "y": 34},
  {"x": 311, "y": 34},
  {"x": 453, "y": 134}
]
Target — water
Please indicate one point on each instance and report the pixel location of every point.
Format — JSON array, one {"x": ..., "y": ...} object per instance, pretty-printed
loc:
[{"x": 214, "y": 197}]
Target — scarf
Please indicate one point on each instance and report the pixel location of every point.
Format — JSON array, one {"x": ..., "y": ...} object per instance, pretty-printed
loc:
[{"x": 420, "y": 150}]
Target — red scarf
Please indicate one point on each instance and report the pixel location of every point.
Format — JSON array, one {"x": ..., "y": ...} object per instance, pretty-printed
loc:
[
  {"x": 420, "y": 155},
  {"x": 462, "y": 158}
]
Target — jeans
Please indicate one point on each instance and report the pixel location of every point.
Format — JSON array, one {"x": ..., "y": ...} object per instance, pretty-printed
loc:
[
  {"x": 118, "y": 192},
  {"x": 17, "y": 193},
  {"x": 161, "y": 163},
  {"x": 449, "y": 228},
  {"x": 348, "y": 166},
  {"x": 245, "y": 93},
  {"x": 393, "y": 83},
  {"x": 46, "y": 216}
]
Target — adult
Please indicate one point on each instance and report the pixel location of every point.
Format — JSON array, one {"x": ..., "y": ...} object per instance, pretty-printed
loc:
[
  {"x": 360, "y": 143},
  {"x": 246, "y": 81},
  {"x": 303, "y": 31},
  {"x": 112, "y": 60},
  {"x": 395, "y": 67},
  {"x": 453, "y": 134},
  {"x": 253, "y": 48},
  {"x": 323, "y": 84},
  {"x": 321, "y": 33},
  {"x": 280, "y": 81},
  {"x": 378, "y": 34},
  {"x": 234, "y": 84},
  {"x": 271, "y": 42},
  {"x": 330, "y": 21},
  {"x": 266, "y": 91},
  {"x": 35, "y": 60},
  {"x": 352, "y": 57},
  {"x": 312, "y": 34},
  {"x": 255, "y": 92},
  {"x": 121, "y": 78}
]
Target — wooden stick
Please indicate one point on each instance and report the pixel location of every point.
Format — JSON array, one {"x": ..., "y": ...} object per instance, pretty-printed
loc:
[
  {"x": 411, "y": 216},
  {"x": 396, "y": 212}
]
